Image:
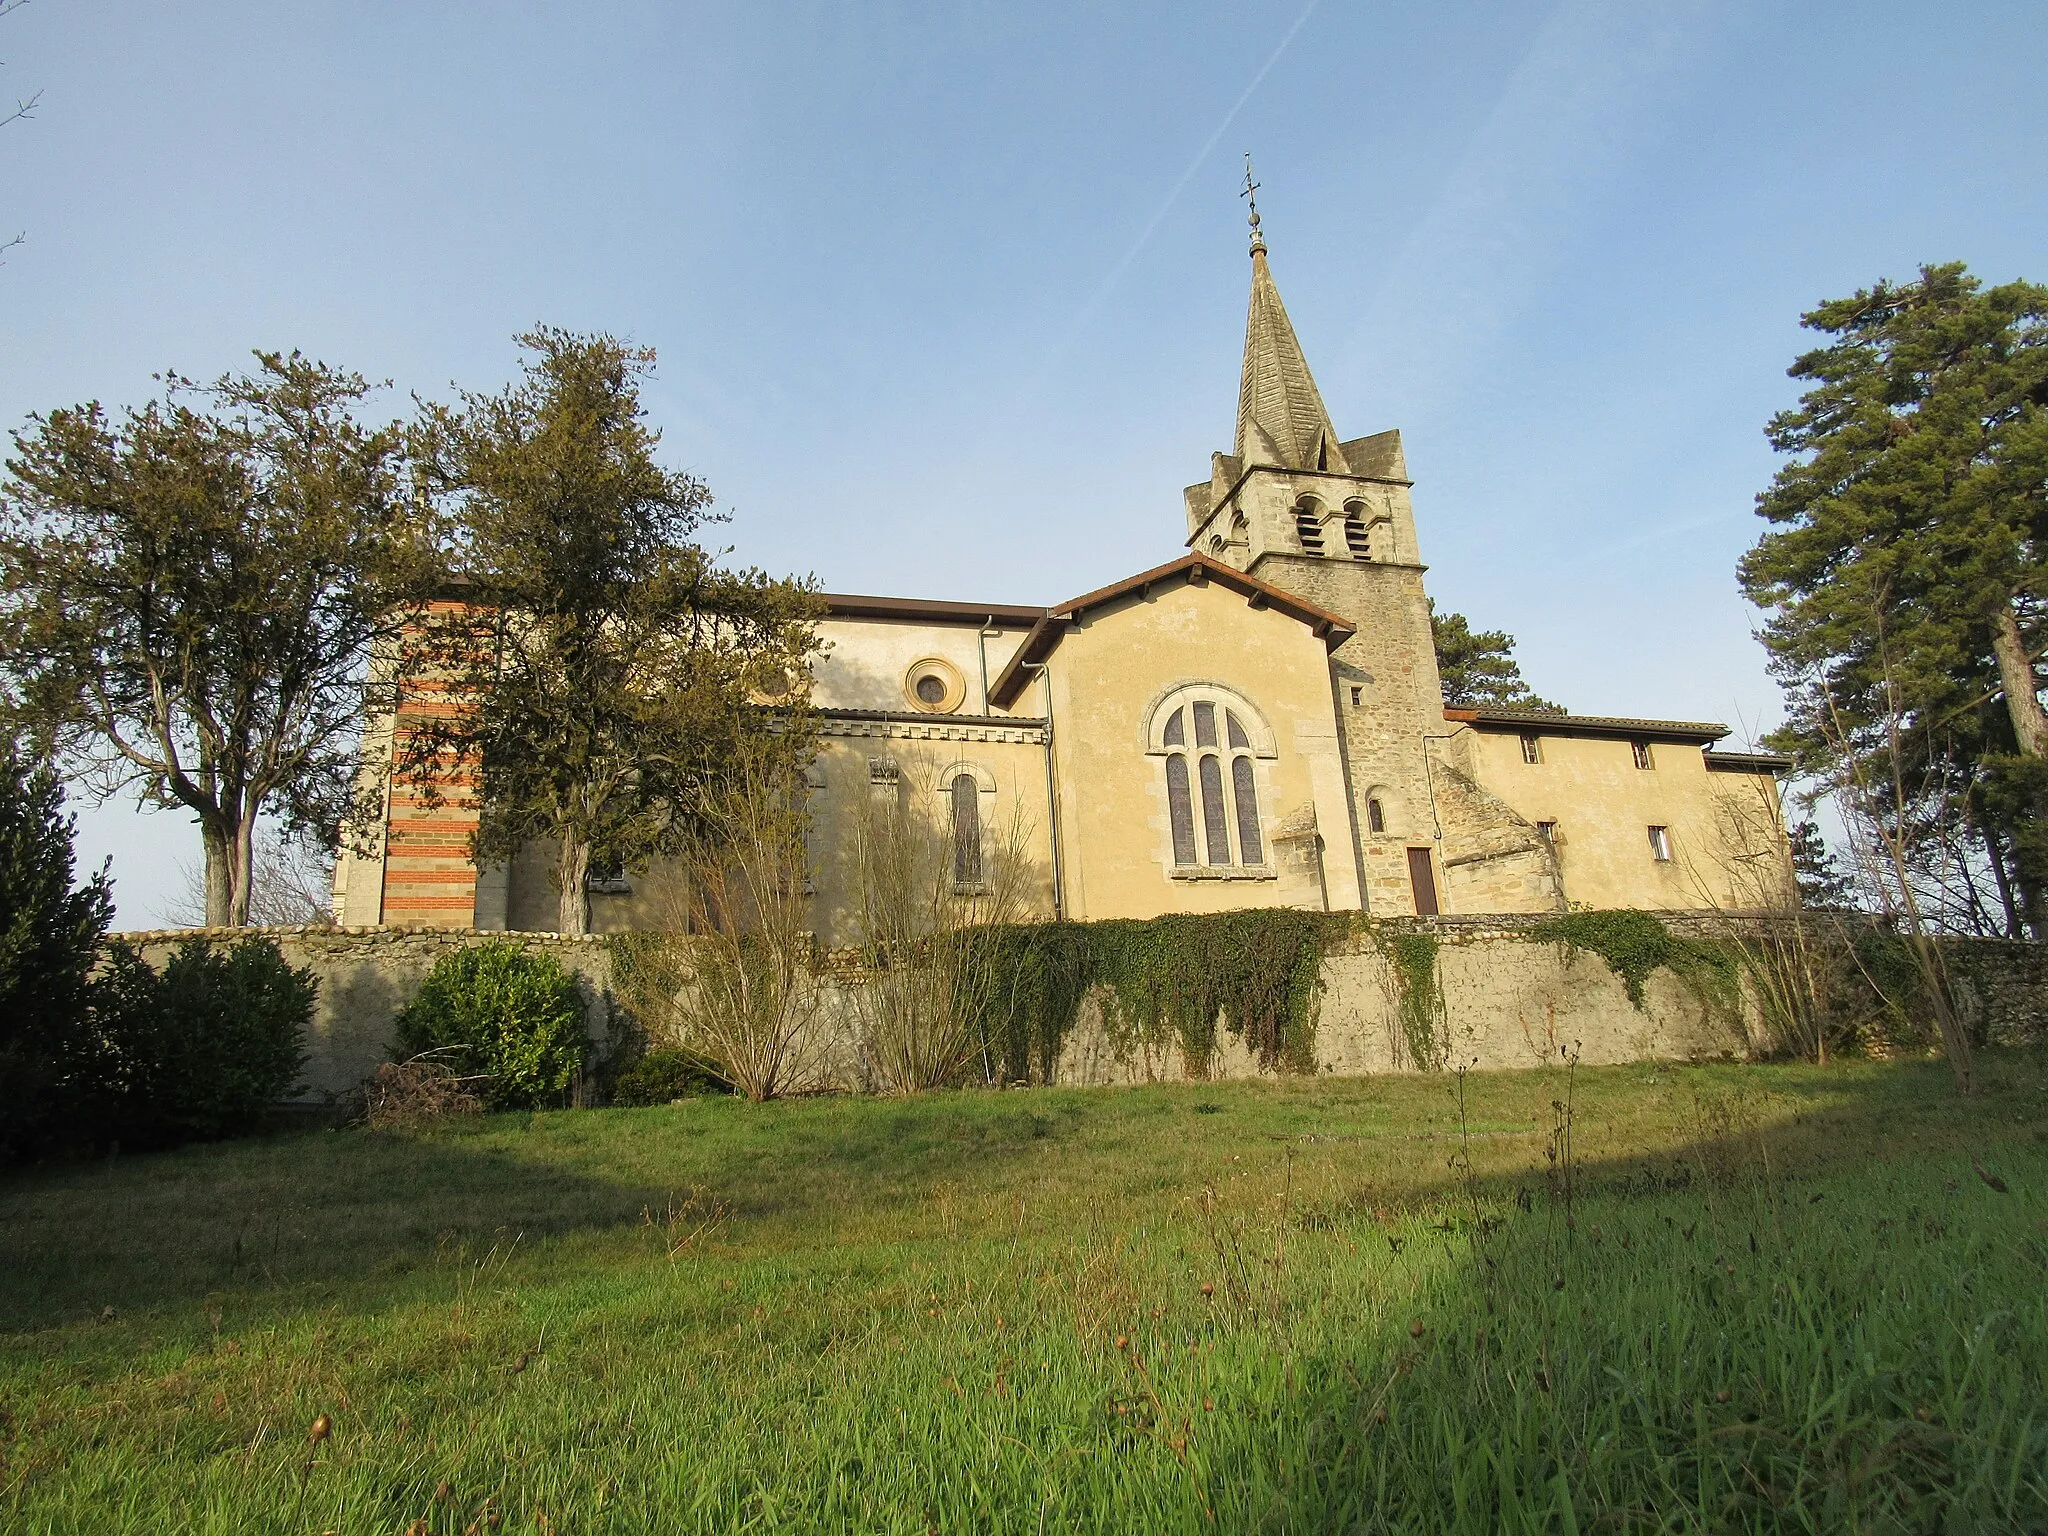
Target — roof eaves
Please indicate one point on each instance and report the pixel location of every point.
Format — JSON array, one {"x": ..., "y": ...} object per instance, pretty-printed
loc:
[
  {"x": 1332, "y": 629},
  {"x": 849, "y": 605},
  {"x": 1776, "y": 762},
  {"x": 1037, "y": 645},
  {"x": 1200, "y": 568},
  {"x": 1591, "y": 725}
]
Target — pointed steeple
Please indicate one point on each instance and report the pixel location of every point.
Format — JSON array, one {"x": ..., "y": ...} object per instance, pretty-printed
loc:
[{"x": 1280, "y": 415}]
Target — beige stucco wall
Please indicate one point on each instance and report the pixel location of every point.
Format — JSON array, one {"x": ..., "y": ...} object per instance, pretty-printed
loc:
[
  {"x": 1604, "y": 807},
  {"x": 1010, "y": 764},
  {"x": 1115, "y": 834},
  {"x": 866, "y": 660}
]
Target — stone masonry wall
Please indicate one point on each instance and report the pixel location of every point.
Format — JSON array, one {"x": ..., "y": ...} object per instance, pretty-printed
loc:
[
  {"x": 367, "y": 974},
  {"x": 1503, "y": 1001}
]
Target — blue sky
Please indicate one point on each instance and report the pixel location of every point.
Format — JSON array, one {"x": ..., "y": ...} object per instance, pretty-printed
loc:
[{"x": 949, "y": 297}]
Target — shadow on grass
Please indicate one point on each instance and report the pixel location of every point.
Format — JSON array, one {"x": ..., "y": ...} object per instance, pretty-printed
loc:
[
  {"x": 1814, "y": 1321},
  {"x": 274, "y": 1221}
]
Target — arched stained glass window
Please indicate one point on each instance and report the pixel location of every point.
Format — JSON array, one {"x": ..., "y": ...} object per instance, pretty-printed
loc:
[
  {"x": 1250, "y": 848},
  {"x": 966, "y": 831},
  {"x": 1180, "y": 806},
  {"x": 1211, "y": 738},
  {"x": 1215, "y": 819}
]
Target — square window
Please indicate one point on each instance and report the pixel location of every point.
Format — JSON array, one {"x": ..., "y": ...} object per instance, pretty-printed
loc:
[
  {"x": 1532, "y": 749},
  {"x": 1660, "y": 844},
  {"x": 1641, "y": 749}
]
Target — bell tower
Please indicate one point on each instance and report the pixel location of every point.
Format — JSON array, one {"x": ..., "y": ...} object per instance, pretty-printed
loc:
[{"x": 1332, "y": 521}]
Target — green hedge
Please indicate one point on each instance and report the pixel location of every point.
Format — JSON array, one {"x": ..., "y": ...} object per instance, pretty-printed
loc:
[{"x": 502, "y": 1012}]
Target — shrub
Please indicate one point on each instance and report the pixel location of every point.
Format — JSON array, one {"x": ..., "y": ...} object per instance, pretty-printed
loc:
[
  {"x": 49, "y": 939},
  {"x": 502, "y": 1012},
  {"x": 662, "y": 1076},
  {"x": 200, "y": 1049}
]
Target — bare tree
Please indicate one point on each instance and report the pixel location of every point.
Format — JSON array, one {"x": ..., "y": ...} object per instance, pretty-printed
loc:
[
  {"x": 932, "y": 879},
  {"x": 23, "y": 107},
  {"x": 291, "y": 885},
  {"x": 728, "y": 969},
  {"x": 1791, "y": 972},
  {"x": 1873, "y": 796}
]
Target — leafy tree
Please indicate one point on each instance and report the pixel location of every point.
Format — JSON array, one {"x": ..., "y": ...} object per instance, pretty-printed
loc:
[
  {"x": 1478, "y": 667},
  {"x": 605, "y": 664},
  {"x": 1903, "y": 575},
  {"x": 189, "y": 598},
  {"x": 50, "y": 934}
]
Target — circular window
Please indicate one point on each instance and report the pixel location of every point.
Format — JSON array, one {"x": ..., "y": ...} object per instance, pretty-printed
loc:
[{"x": 935, "y": 685}]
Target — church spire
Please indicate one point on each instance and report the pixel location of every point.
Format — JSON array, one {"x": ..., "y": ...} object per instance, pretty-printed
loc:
[{"x": 1280, "y": 415}]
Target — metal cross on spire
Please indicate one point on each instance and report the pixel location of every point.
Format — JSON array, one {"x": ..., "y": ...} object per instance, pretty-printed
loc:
[{"x": 1251, "y": 196}]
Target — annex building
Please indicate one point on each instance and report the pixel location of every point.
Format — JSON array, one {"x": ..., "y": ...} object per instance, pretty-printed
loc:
[{"x": 1255, "y": 722}]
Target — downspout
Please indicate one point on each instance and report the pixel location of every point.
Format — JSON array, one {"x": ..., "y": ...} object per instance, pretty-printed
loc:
[
  {"x": 1052, "y": 798},
  {"x": 981, "y": 644}
]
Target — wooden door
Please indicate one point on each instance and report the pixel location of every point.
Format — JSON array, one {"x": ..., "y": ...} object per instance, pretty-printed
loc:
[{"x": 1422, "y": 878}]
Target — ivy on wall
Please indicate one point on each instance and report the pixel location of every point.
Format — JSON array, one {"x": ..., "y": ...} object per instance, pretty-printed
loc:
[
  {"x": 1421, "y": 1000},
  {"x": 1636, "y": 943},
  {"x": 1164, "y": 982}
]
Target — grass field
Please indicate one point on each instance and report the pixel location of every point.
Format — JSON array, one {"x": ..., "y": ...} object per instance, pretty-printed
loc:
[{"x": 1713, "y": 1298}]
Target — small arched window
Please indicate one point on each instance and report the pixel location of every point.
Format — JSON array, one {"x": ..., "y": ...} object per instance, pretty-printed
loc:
[
  {"x": 1210, "y": 740},
  {"x": 966, "y": 830},
  {"x": 1376, "y": 814}
]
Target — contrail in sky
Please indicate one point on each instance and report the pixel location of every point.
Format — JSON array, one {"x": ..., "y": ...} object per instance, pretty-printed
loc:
[{"x": 1116, "y": 272}]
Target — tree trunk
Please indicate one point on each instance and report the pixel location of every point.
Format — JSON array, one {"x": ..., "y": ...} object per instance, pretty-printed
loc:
[
  {"x": 572, "y": 875},
  {"x": 230, "y": 870},
  {"x": 241, "y": 872},
  {"x": 2016, "y": 677},
  {"x": 2005, "y": 897},
  {"x": 219, "y": 879}
]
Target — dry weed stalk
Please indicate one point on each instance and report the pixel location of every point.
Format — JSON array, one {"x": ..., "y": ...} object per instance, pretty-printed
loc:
[
  {"x": 687, "y": 1221},
  {"x": 1791, "y": 977}
]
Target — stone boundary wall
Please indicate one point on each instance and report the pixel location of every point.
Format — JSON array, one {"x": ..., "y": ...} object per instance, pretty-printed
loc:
[
  {"x": 1502, "y": 1000},
  {"x": 367, "y": 974}
]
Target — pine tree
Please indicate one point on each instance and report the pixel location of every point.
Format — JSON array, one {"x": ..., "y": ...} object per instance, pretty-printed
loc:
[
  {"x": 50, "y": 933},
  {"x": 1478, "y": 666},
  {"x": 1906, "y": 570}
]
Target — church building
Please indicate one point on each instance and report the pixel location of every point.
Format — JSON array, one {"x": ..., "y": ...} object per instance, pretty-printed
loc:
[{"x": 1257, "y": 722}]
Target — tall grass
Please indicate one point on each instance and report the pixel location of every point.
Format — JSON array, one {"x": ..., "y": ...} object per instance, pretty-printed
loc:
[{"x": 1785, "y": 1299}]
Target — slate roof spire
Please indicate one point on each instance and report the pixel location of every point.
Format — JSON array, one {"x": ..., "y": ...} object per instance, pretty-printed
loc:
[{"x": 1281, "y": 419}]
